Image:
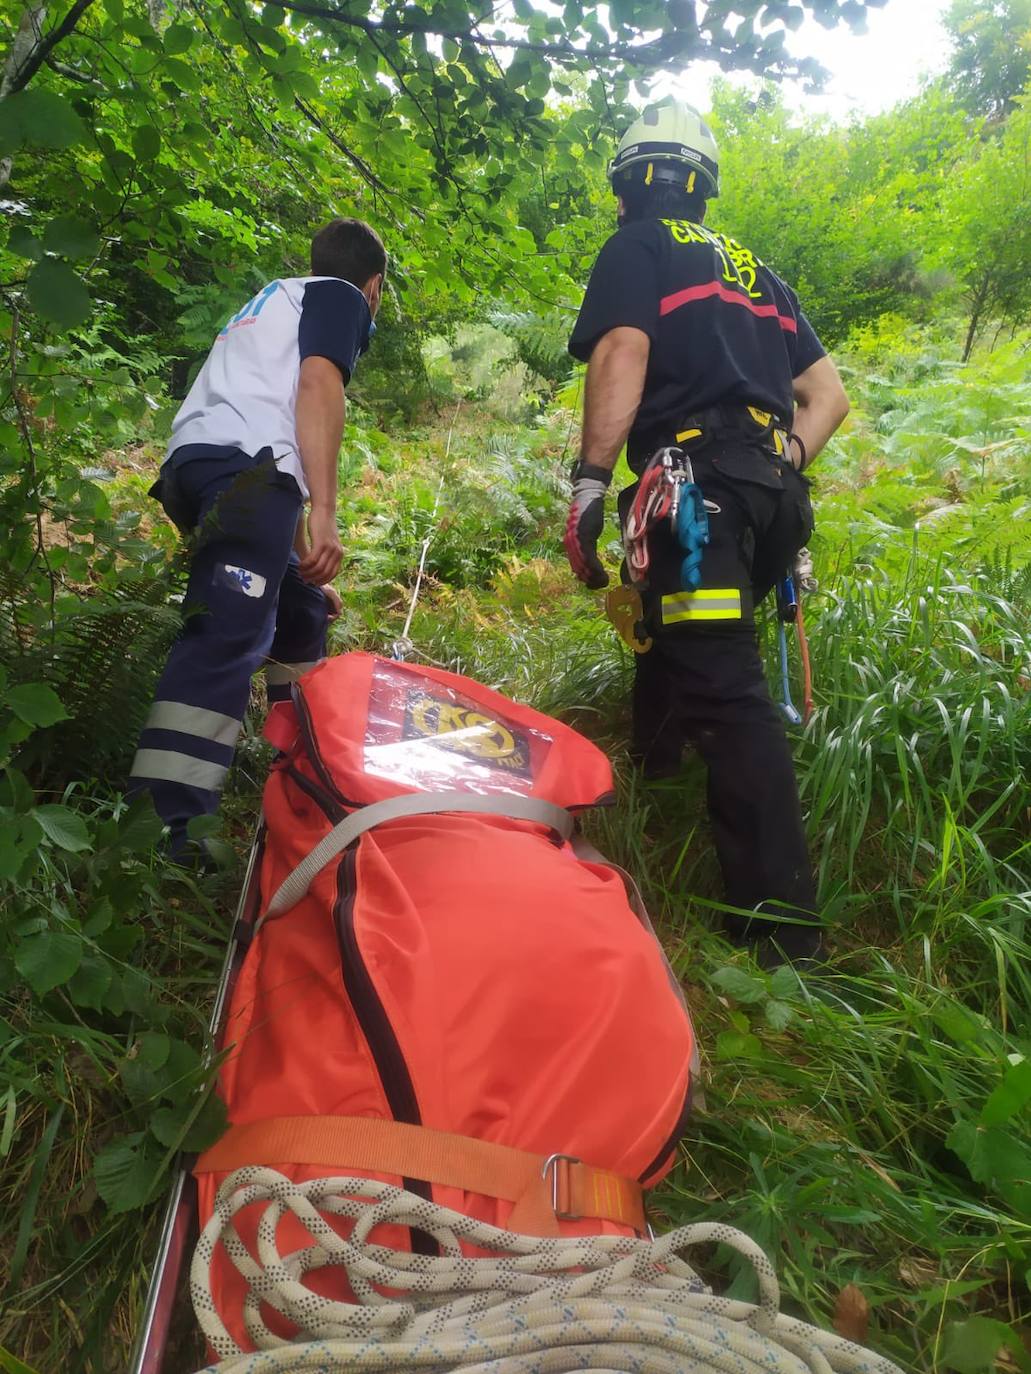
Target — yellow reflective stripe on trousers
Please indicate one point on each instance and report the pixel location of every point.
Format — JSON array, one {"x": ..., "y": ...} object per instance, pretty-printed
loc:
[
  {"x": 711, "y": 603},
  {"x": 276, "y": 674},
  {"x": 193, "y": 720},
  {"x": 167, "y": 765}
]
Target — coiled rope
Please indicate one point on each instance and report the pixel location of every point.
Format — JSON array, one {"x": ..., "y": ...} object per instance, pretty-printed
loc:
[{"x": 533, "y": 1306}]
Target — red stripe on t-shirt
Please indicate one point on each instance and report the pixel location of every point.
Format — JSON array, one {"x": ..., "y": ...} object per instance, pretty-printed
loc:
[{"x": 716, "y": 288}]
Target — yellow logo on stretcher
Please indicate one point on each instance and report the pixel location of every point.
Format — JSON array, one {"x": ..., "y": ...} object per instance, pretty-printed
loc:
[{"x": 473, "y": 733}]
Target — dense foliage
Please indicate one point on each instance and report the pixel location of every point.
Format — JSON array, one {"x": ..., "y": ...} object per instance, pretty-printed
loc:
[{"x": 158, "y": 165}]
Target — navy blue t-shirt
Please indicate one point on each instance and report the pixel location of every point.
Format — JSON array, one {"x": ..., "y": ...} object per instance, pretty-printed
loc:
[
  {"x": 723, "y": 327},
  {"x": 335, "y": 323}
]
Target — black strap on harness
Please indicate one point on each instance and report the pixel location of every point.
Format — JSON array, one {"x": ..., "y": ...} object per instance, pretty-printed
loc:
[{"x": 760, "y": 427}]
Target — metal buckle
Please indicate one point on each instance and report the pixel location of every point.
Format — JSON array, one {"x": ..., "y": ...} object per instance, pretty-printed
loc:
[{"x": 550, "y": 1166}]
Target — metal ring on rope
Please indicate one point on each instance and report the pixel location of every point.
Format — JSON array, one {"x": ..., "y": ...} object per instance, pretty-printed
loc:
[{"x": 611, "y": 1303}]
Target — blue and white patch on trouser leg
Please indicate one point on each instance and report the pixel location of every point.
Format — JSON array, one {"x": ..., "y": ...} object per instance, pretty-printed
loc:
[
  {"x": 300, "y": 639},
  {"x": 245, "y": 516}
]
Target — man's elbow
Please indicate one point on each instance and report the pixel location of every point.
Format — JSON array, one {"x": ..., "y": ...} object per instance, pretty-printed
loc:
[
  {"x": 319, "y": 376},
  {"x": 623, "y": 344},
  {"x": 840, "y": 406}
]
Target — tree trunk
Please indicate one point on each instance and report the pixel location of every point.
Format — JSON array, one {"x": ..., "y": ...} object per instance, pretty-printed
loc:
[
  {"x": 26, "y": 40},
  {"x": 981, "y": 292},
  {"x": 28, "y": 37},
  {"x": 30, "y": 49}
]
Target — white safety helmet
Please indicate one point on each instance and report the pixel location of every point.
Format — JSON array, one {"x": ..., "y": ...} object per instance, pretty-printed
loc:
[{"x": 672, "y": 144}]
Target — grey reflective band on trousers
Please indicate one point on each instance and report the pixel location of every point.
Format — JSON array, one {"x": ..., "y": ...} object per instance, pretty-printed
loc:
[
  {"x": 193, "y": 720},
  {"x": 170, "y": 766},
  {"x": 293, "y": 888}
]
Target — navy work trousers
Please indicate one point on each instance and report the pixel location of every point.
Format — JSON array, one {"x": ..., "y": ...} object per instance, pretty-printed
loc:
[
  {"x": 245, "y": 602},
  {"x": 702, "y": 683}
]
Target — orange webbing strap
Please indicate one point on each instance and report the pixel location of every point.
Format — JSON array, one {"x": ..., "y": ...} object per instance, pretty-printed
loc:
[{"x": 544, "y": 1189}]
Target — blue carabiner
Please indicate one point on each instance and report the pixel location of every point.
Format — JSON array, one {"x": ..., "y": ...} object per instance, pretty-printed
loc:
[{"x": 692, "y": 534}]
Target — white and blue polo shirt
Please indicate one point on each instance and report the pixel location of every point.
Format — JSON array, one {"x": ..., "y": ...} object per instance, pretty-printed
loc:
[{"x": 245, "y": 395}]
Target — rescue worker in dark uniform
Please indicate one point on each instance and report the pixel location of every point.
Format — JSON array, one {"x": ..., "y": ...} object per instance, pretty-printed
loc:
[
  {"x": 257, "y": 438},
  {"x": 691, "y": 341}
]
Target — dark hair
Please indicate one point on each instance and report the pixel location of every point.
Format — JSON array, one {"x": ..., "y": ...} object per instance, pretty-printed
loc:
[
  {"x": 350, "y": 249},
  {"x": 660, "y": 201}
]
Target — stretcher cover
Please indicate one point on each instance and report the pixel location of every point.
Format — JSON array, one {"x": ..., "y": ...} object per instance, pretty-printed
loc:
[{"x": 463, "y": 972}]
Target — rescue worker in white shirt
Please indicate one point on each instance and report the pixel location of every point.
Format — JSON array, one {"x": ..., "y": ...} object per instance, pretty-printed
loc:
[
  {"x": 256, "y": 438},
  {"x": 693, "y": 342}
]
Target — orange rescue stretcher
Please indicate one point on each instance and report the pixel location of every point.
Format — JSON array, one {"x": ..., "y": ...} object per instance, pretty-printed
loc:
[{"x": 434, "y": 981}]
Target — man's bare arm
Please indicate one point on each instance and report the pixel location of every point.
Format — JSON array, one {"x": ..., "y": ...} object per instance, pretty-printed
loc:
[
  {"x": 615, "y": 384},
  {"x": 320, "y": 428},
  {"x": 820, "y": 405}
]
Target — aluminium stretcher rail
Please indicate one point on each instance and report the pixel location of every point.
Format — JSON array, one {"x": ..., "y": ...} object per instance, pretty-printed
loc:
[{"x": 180, "y": 1223}]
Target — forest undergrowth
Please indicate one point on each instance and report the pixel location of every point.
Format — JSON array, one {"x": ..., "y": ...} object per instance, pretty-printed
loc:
[{"x": 868, "y": 1125}]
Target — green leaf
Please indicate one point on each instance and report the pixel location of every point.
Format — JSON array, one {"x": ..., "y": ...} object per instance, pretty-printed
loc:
[
  {"x": 48, "y": 960},
  {"x": 10, "y": 1364},
  {"x": 742, "y": 986},
  {"x": 188, "y": 1126},
  {"x": 63, "y": 827},
  {"x": 1013, "y": 1093},
  {"x": 971, "y": 1347},
  {"x": 784, "y": 982},
  {"x": 731, "y": 1045},
  {"x": 17, "y": 842},
  {"x": 956, "y": 1021},
  {"x": 992, "y": 1155},
  {"x": 91, "y": 982},
  {"x": 146, "y": 143},
  {"x": 140, "y": 828},
  {"x": 10, "y": 1121},
  {"x": 125, "y": 1173},
  {"x": 779, "y": 1015},
  {"x": 22, "y": 241},
  {"x": 40, "y": 118},
  {"x": 152, "y": 1049},
  {"x": 36, "y": 704},
  {"x": 181, "y": 74},
  {"x": 178, "y": 38},
  {"x": 59, "y": 294},
  {"x": 72, "y": 237}
]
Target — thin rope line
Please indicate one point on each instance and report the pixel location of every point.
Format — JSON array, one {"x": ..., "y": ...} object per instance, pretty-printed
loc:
[{"x": 402, "y": 645}]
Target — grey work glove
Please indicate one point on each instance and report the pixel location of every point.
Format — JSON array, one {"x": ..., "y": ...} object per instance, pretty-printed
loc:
[{"x": 585, "y": 522}]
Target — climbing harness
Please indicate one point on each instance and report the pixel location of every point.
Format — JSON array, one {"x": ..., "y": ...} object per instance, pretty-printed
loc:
[
  {"x": 403, "y": 646},
  {"x": 667, "y": 491},
  {"x": 585, "y": 1302}
]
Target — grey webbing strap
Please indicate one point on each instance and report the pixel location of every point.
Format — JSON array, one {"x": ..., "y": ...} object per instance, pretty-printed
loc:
[{"x": 294, "y": 887}]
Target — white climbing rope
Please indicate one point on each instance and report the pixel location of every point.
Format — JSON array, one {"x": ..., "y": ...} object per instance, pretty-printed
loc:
[{"x": 532, "y": 1306}]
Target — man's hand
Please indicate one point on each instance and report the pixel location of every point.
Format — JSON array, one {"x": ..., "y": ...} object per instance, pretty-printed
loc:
[
  {"x": 326, "y": 553},
  {"x": 334, "y": 603},
  {"x": 585, "y": 522}
]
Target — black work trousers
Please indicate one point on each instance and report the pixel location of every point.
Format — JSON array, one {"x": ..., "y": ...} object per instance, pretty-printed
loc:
[{"x": 702, "y": 683}]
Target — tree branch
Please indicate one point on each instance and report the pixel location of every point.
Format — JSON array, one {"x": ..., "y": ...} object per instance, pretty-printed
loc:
[
  {"x": 73, "y": 73},
  {"x": 27, "y": 69},
  {"x": 359, "y": 163},
  {"x": 646, "y": 54}
]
